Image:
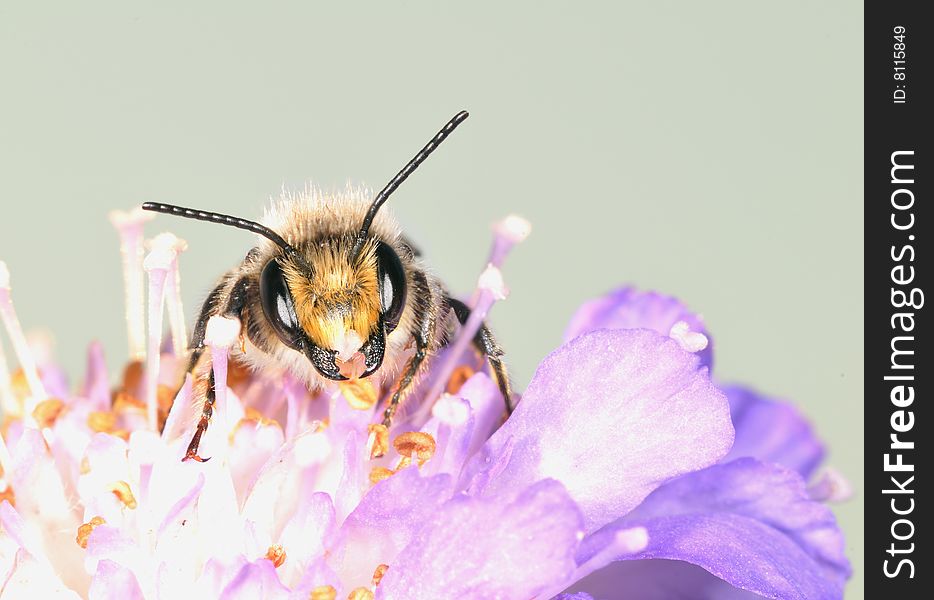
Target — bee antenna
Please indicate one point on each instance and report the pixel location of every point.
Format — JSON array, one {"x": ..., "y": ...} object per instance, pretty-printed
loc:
[
  {"x": 213, "y": 217},
  {"x": 402, "y": 175}
]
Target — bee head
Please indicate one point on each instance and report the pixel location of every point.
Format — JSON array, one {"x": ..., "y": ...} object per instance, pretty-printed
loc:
[
  {"x": 337, "y": 299},
  {"x": 335, "y": 308}
]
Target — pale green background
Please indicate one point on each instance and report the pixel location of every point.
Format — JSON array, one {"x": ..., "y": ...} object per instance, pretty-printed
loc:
[{"x": 710, "y": 150}]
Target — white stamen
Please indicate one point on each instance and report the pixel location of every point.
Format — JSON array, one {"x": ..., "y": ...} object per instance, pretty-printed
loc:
[
  {"x": 514, "y": 228},
  {"x": 491, "y": 280},
  {"x": 692, "y": 341},
  {"x": 6, "y": 460},
  {"x": 630, "y": 541},
  {"x": 8, "y": 403},
  {"x": 451, "y": 411},
  {"x": 220, "y": 334},
  {"x": 173, "y": 291},
  {"x": 490, "y": 288},
  {"x": 831, "y": 486},
  {"x": 129, "y": 226},
  {"x": 20, "y": 346},
  {"x": 507, "y": 233},
  {"x": 160, "y": 257},
  {"x": 625, "y": 542},
  {"x": 157, "y": 264},
  {"x": 312, "y": 448}
]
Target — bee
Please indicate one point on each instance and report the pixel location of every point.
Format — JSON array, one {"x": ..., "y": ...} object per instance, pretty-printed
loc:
[{"x": 334, "y": 291}]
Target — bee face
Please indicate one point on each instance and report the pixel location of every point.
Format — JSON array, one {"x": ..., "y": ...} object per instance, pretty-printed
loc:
[{"x": 334, "y": 307}]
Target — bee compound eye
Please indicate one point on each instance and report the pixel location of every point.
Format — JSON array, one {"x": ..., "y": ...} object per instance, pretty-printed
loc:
[
  {"x": 278, "y": 305},
  {"x": 392, "y": 287}
]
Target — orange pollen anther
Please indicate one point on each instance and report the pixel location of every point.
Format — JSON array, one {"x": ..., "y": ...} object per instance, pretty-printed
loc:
[
  {"x": 132, "y": 376},
  {"x": 415, "y": 444},
  {"x": 20, "y": 385},
  {"x": 378, "y": 574},
  {"x": 254, "y": 415},
  {"x": 47, "y": 411},
  {"x": 7, "y": 494},
  {"x": 102, "y": 422},
  {"x": 380, "y": 473},
  {"x": 165, "y": 397},
  {"x": 378, "y": 441},
  {"x": 84, "y": 531},
  {"x": 121, "y": 490},
  {"x": 323, "y": 592},
  {"x": 252, "y": 418},
  {"x": 359, "y": 393},
  {"x": 276, "y": 555},
  {"x": 458, "y": 378},
  {"x": 124, "y": 401},
  {"x": 361, "y": 593}
]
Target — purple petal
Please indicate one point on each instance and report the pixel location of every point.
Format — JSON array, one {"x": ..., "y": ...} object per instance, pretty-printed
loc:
[
  {"x": 110, "y": 543},
  {"x": 317, "y": 574},
  {"x": 114, "y": 582},
  {"x": 629, "y": 308},
  {"x": 214, "y": 577},
  {"x": 612, "y": 415},
  {"x": 451, "y": 426},
  {"x": 490, "y": 548},
  {"x": 255, "y": 580},
  {"x": 749, "y": 523},
  {"x": 487, "y": 407},
  {"x": 462, "y": 424},
  {"x": 384, "y": 523},
  {"x": 659, "y": 580},
  {"x": 772, "y": 431}
]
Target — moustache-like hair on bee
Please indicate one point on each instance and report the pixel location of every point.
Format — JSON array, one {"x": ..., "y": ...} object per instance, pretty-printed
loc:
[{"x": 334, "y": 291}]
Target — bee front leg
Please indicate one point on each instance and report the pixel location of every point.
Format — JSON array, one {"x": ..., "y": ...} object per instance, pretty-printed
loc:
[
  {"x": 236, "y": 300},
  {"x": 207, "y": 410},
  {"x": 423, "y": 334},
  {"x": 408, "y": 376},
  {"x": 486, "y": 344}
]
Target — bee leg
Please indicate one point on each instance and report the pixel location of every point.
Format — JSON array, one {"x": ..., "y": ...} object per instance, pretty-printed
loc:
[
  {"x": 408, "y": 375},
  {"x": 236, "y": 300},
  {"x": 486, "y": 344},
  {"x": 206, "y": 411},
  {"x": 423, "y": 334}
]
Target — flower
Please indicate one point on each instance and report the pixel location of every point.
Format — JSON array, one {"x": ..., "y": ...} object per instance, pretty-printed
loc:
[{"x": 618, "y": 469}]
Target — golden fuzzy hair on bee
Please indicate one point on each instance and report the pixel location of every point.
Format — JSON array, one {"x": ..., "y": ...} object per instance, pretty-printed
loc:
[
  {"x": 341, "y": 296},
  {"x": 315, "y": 213}
]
